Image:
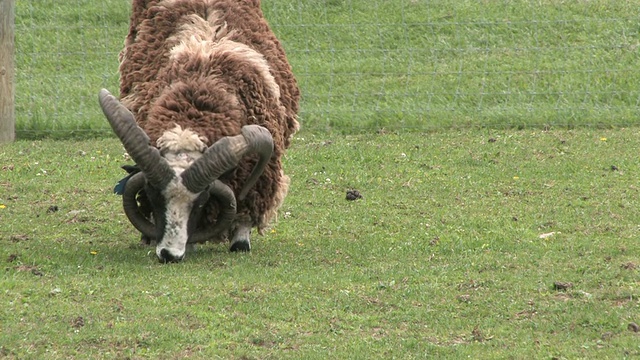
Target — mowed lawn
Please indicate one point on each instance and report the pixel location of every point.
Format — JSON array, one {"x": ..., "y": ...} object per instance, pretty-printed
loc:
[{"x": 477, "y": 243}]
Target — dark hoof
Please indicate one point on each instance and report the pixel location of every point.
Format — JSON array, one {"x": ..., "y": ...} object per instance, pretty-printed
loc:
[{"x": 240, "y": 246}]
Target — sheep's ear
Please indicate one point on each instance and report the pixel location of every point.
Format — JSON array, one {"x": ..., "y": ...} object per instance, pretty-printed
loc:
[{"x": 132, "y": 170}]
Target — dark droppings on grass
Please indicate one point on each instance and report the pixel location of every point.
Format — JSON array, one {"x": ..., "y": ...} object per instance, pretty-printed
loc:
[
  {"x": 479, "y": 336},
  {"x": 52, "y": 209},
  {"x": 559, "y": 285},
  {"x": 37, "y": 272},
  {"x": 606, "y": 336},
  {"x": 353, "y": 195},
  {"x": 633, "y": 327},
  {"x": 77, "y": 322},
  {"x": 435, "y": 241},
  {"x": 629, "y": 266},
  {"x": 33, "y": 269},
  {"x": 18, "y": 238}
]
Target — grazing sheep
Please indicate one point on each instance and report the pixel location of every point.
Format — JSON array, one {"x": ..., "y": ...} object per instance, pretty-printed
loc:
[{"x": 208, "y": 105}]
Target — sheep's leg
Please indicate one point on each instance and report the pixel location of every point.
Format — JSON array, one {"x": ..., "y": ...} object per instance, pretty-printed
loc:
[{"x": 240, "y": 239}]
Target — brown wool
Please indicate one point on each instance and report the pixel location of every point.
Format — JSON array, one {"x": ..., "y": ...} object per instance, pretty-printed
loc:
[{"x": 235, "y": 74}]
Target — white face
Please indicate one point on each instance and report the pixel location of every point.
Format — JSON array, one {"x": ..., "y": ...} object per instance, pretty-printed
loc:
[
  {"x": 174, "y": 204},
  {"x": 179, "y": 203}
]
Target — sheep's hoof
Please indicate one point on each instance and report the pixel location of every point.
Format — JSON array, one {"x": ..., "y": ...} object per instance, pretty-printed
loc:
[{"x": 240, "y": 246}]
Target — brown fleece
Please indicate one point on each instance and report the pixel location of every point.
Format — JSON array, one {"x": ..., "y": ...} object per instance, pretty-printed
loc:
[{"x": 213, "y": 95}]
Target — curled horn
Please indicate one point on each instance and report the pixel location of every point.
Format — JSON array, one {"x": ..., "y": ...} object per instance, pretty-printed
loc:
[
  {"x": 225, "y": 155},
  {"x": 135, "y": 141},
  {"x": 131, "y": 209},
  {"x": 227, "y": 201}
]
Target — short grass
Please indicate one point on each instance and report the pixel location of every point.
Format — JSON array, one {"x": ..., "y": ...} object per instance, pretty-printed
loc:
[
  {"x": 442, "y": 258},
  {"x": 365, "y": 65}
]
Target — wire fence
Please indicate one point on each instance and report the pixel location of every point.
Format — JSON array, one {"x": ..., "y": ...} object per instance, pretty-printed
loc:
[{"x": 369, "y": 65}]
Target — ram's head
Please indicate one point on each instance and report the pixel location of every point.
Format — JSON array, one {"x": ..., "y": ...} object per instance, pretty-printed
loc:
[{"x": 180, "y": 180}]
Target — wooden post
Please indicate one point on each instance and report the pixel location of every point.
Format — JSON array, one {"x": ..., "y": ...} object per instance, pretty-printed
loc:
[{"x": 7, "y": 70}]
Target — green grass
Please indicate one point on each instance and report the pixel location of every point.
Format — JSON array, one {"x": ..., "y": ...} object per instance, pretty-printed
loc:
[
  {"x": 441, "y": 259},
  {"x": 366, "y": 65}
]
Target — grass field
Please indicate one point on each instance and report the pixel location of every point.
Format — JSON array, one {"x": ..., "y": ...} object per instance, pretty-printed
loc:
[
  {"x": 365, "y": 65},
  {"x": 444, "y": 257},
  {"x": 500, "y": 214}
]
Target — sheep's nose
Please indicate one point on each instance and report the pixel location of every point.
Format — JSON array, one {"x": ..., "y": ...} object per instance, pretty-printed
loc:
[{"x": 166, "y": 257}]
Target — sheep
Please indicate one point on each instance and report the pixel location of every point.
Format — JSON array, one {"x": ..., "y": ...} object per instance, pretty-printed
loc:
[{"x": 208, "y": 106}]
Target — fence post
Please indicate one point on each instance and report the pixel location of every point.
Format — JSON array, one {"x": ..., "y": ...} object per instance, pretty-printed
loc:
[{"x": 7, "y": 69}]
